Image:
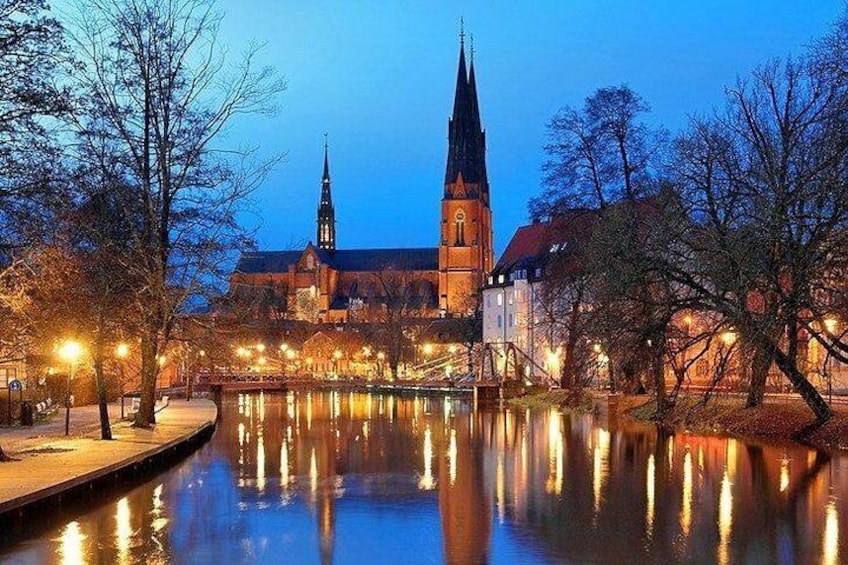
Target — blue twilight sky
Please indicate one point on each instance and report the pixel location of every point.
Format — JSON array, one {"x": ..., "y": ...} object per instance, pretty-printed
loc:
[{"x": 379, "y": 77}]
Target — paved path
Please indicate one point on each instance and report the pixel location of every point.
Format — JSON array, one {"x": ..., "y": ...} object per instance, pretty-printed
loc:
[
  {"x": 48, "y": 462},
  {"x": 84, "y": 420}
]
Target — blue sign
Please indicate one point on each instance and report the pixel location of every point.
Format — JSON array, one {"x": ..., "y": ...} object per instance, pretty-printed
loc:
[{"x": 15, "y": 385}]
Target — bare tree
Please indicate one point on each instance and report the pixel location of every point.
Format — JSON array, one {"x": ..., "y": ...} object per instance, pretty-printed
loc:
[
  {"x": 397, "y": 300},
  {"x": 160, "y": 93}
]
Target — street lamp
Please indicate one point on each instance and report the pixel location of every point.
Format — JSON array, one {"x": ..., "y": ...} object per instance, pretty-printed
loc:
[
  {"x": 121, "y": 352},
  {"x": 69, "y": 351}
]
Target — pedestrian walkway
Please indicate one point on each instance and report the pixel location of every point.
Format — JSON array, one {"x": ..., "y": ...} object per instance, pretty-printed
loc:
[{"x": 49, "y": 463}]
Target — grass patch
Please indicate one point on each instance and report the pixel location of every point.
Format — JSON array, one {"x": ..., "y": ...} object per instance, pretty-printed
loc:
[
  {"x": 773, "y": 420},
  {"x": 561, "y": 399}
]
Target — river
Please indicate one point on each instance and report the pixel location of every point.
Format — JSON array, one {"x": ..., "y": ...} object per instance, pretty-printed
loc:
[{"x": 341, "y": 477}]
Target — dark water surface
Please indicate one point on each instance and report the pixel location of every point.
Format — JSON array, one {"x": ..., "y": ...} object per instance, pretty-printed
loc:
[{"x": 360, "y": 478}]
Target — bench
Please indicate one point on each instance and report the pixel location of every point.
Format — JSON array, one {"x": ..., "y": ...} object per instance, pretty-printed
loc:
[{"x": 45, "y": 407}]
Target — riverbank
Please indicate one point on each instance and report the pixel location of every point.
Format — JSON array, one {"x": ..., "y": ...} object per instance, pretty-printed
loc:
[
  {"x": 774, "y": 420},
  {"x": 51, "y": 470}
]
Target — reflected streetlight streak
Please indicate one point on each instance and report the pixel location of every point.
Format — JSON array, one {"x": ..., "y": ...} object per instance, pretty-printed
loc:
[
  {"x": 650, "y": 490},
  {"x": 686, "y": 509},
  {"x": 555, "y": 453},
  {"x": 313, "y": 474},
  {"x": 159, "y": 519},
  {"x": 830, "y": 544},
  {"x": 260, "y": 460},
  {"x": 452, "y": 458},
  {"x": 671, "y": 455},
  {"x": 427, "y": 482},
  {"x": 71, "y": 548},
  {"x": 285, "y": 477},
  {"x": 500, "y": 488},
  {"x": 600, "y": 467},
  {"x": 725, "y": 519},
  {"x": 123, "y": 530},
  {"x": 784, "y": 473}
]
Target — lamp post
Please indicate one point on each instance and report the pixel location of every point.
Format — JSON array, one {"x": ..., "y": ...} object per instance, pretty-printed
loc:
[
  {"x": 121, "y": 352},
  {"x": 69, "y": 351}
]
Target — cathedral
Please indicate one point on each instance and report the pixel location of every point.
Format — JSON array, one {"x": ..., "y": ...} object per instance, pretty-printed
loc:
[{"x": 323, "y": 283}]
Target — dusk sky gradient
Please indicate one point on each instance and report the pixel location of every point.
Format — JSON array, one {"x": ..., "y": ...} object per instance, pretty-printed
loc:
[{"x": 379, "y": 78}]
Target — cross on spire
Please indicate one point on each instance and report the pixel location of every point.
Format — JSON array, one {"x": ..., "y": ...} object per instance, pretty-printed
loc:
[{"x": 462, "y": 30}]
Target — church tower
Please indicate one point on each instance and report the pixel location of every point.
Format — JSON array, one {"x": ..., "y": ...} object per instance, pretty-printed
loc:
[
  {"x": 465, "y": 247},
  {"x": 326, "y": 212}
]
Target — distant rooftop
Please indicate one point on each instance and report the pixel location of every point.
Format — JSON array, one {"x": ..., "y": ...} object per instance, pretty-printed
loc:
[{"x": 409, "y": 259}]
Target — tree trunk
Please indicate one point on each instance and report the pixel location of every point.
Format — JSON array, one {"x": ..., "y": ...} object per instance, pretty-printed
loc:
[
  {"x": 759, "y": 374},
  {"x": 803, "y": 386},
  {"x": 146, "y": 416},
  {"x": 658, "y": 373},
  {"x": 100, "y": 382}
]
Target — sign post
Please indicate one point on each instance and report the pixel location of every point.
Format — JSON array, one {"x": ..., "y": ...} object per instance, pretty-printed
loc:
[{"x": 14, "y": 385}]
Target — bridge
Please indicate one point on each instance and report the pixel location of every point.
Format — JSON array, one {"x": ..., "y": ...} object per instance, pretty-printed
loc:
[{"x": 496, "y": 372}]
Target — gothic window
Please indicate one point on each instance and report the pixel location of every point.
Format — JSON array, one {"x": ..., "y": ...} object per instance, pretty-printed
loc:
[
  {"x": 460, "y": 228},
  {"x": 310, "y": 262}
]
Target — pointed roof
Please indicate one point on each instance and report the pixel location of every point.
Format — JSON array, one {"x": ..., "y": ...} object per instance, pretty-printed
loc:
[
  {"x": 466, "y": 140},
  {"x": 326, "y": 177},
  {"x": 326, "y": 194}
]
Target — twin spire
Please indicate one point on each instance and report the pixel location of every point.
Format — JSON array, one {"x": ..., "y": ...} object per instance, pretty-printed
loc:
[
  {"x": 466, "y": 150},
  {"x": 466, "y": 138}
]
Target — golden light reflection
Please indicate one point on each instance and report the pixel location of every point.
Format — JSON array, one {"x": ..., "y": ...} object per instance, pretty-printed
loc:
[
  {"x": 290, "y": 405},
  {"x": 650, "y": 490},
  {"x": 285, "y": 477},
  {"x": 670, "y": 456},
  {"x": 452, "y": 458},
  {"x": 555, "y": 454},
  {"x": 261, "y": 406},
  {"x": 260, "y": 461},
  {"x": 71, "y": 544},
  {"x": 500, "y": 488},
  {"x": 686, "y": 509},
  {"x": 830, "y": 545},
  {"x": 725, "y": 519},
  {"x": 313, "y": 473},
  {"x": 427, "y": 482},
  {"x": 159, "y": 519},
  {"x": 308, "y": 410},
  {"x": 600, "y": 469},
  {"x": 784, "y": 473},
  {"x": 123, "y": 530},
  {"x": 731, "y": 459}
]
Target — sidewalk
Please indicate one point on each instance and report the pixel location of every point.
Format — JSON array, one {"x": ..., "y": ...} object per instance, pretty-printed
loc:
[
  {"x": 84, "y": 420},
  {"x": 49, "y": 463}
]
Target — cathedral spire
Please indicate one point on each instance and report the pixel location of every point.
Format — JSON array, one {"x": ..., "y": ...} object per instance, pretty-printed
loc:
[
  {"x": 326, "y": 176},
  {"x": 326, "y": 212},
  {"x": 466, "y": 140}
]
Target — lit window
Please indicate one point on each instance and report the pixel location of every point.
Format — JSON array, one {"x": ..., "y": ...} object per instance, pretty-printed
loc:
[
  {"x": 460, "y": 228},
  {"x": 500, "y": 299},
  {"x": 510, "y": 298}
]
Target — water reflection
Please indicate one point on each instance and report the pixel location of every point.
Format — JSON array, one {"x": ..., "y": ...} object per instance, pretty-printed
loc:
[{"x": 352, "y": 477}]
